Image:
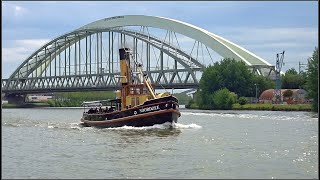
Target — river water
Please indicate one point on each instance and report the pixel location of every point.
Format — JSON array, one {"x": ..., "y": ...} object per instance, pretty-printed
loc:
[{"x": 50, "y": 143}]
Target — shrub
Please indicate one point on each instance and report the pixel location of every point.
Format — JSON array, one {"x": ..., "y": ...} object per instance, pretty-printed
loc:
[
  {"x": 51, "y": 103},
  {"x": 287, "y": 93},
  {"x": 242, "y": 100},
  {"x": 223, "y": 99},
  {"x": 234, "y": 97},
  {"x": 188, "y": 105}
]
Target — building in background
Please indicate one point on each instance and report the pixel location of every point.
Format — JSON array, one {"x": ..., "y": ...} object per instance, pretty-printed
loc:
[
  {"x": 299, "y": 96},
  {"x": 39, "y": 97}
]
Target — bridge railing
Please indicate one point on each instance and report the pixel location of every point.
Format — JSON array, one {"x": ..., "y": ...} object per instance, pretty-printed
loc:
[{"x": 93, "y": 82}]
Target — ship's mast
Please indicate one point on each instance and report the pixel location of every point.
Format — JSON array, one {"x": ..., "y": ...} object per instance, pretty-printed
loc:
[{"x": 145, "y": 81}]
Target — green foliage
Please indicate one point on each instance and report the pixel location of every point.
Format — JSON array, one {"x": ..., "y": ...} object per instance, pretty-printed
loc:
[
  {"x": 233, "y": 75},
  {"x": 242, "y": 100},
  {"x": 273, "y": 107},
  {"x": 287, "y": 93},
  {"x": 234, "y": 96},
  {"x": 192, "y": 104},
  {"x": 263, "y": 83},
  {"x": 9, "y": 105},
  {"x": 291, "y": 71},
  {"x": 74, "y": 99},
  {"x": 223, "y": 99},
  {"x": 228, "y": 73},
  {"x": 292, "y": 80},
  {"x": 206, "y": 101},
  {"x": 312, "y": 78},
  {"x": 61, "y": 103},
  {"x": 51, "y": 103},
  {"x": 183, "y": 98}
]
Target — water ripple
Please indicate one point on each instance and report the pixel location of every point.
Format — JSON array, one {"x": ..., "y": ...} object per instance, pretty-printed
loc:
[{"x": 272, "y": 116}]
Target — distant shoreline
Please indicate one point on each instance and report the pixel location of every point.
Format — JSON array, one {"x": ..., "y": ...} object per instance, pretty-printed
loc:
[
  {"x": 268, "y": 107},
  {"x": 5, "y": 106},
  {"x": 250, "y": 107}
]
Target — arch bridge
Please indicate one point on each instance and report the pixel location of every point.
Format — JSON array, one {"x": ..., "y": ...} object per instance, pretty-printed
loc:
[{"x": 173, "y": 53}]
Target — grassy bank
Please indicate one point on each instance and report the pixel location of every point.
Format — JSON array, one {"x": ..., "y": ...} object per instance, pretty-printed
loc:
[
  {"x": 273, "y": 107},
  {"x": 28, "y": 105}
]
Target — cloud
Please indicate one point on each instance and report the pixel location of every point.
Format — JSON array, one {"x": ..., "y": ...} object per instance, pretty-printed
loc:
[
  {"x": 256, "y": 34},
  {"x": 19, "y": 50},
  {"x": 32, "y": 43},
  {"x": 266, "y": 42},
  {"x": 13, "y": 10}
]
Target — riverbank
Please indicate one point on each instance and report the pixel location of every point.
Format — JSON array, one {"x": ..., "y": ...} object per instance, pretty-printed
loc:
[
  {"x": 268, "y": 107},
  {"x": 28, "y": 105},
  {"x": 273, "y": 107}
]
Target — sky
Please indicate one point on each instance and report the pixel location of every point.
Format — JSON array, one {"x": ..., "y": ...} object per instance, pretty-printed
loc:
[{"x": 262, "y": 27}]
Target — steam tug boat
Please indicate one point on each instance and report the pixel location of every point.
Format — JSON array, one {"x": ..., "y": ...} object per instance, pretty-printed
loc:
[{"x": 136, "y": 102}]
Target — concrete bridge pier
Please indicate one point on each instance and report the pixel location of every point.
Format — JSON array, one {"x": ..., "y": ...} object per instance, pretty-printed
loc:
[{"x": 18, "y": 99}]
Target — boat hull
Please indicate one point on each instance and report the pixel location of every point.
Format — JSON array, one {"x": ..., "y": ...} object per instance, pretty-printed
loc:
[
  {"x": 148, "y": 119},
  {"x": 157, "y": 111}
]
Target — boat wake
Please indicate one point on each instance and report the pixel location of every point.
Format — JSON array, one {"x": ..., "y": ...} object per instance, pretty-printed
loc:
[
  {"x": 186, "y": 126},
  {"x": 76, "y": 126},
  {"x": 157, "y": 126},
  {"x": 166, "y": 125},
  {"x": 261, "y": 116},
  {"x": 80, "y": 126}
]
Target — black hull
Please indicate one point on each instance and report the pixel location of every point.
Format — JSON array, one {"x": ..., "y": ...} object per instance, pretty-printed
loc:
[
  {"x": 152, "y": 112},
  {"x": 139, "y": 121}
]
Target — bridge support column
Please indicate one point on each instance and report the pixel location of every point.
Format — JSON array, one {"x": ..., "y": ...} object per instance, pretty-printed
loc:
[{"x": 18, "y": 99}]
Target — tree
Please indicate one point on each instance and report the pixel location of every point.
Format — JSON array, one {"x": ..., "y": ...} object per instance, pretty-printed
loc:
[
  {"x": 263, "y": 83},
  {"x": 291, "y": 71},
  {"x": 228, "y": 73},
  {"x": 242, "y": 100},
  {"x": 223, "y": 99},
  {"x": 233, "y": 75},
  {"x": 312, "y": 78},
  {"x": 292, "y": 80},
  {"x": 183, "y": 98}
]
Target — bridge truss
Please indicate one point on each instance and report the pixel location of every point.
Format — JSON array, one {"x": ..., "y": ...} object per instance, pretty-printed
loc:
[{"x": 174, "y": 55}]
